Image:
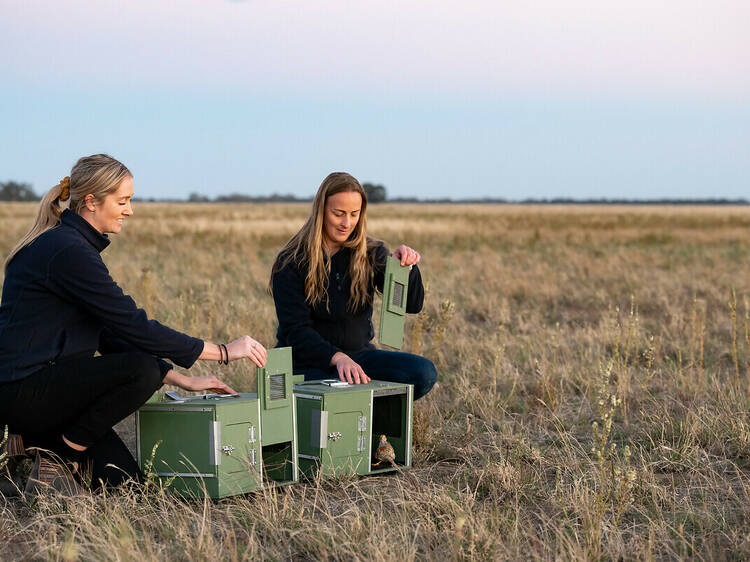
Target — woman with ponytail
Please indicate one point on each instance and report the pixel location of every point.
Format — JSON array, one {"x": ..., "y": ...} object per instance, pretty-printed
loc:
[
  {"x": 59, "y": 306},
  {"x": 323, "y": 282}
]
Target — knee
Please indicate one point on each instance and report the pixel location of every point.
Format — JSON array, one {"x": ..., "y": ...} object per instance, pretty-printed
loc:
[
  {"x": 145, "y": 371},
  {"x": 426, "y": 376}
]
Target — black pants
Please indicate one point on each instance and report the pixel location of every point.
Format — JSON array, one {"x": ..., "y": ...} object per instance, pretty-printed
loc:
[{"x": 82, "y": 399}]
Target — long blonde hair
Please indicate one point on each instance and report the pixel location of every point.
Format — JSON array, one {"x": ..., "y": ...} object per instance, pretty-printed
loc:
[
  {"x": 306, "y": 248},
  {"x": 98, "y": 175}
]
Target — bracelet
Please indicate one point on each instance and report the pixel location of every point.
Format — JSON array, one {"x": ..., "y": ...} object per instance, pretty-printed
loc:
[
  {"x": 226, "y": 354},
  {"x": 221, "y": 354}
]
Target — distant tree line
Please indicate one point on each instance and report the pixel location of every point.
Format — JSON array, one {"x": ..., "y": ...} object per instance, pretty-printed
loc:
[
  {"x": 244, "y": 198},
  {"x": 568, "y": 201},
  {"x": 662, "y": 201},
  {"x": 17, "y": 191},
  {"x": 376, "y": 193}
]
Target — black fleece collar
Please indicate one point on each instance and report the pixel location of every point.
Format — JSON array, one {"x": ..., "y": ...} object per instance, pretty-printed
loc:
[{"x": 96, "y": 238}]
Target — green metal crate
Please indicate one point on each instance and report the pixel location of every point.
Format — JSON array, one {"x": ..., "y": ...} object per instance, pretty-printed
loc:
[
  {"x": 225, "y": 445},
  {"x": 338, "y": 427}
]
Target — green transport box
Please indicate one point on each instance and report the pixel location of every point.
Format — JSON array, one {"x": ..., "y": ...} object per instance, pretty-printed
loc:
[
  {"x": 225, "y": 445},
  {"x": 339, "y": 425}
]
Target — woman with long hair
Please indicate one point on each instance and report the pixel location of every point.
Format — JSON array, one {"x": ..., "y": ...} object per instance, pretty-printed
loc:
[
  {"x": 323, "y": 282},
  {"x": 59, "y": 306}
]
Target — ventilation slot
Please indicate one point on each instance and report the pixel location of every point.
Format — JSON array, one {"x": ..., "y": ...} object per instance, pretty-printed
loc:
[
  {"x": 398, "y": 295},
  {"x": 278, "y": 387}
]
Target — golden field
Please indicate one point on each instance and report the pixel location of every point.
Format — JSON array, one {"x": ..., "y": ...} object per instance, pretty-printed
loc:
[{"x": 593, "y": 399}]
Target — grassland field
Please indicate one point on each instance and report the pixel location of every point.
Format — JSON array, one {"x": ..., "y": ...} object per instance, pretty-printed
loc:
[{"x": 593, "y": 398}]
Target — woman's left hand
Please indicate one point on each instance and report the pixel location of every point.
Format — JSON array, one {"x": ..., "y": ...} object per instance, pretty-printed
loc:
[
  {"x": 195, "y": 384},
  {"x": 407, "y": 255},
  {"x": 209, "y": 383}
]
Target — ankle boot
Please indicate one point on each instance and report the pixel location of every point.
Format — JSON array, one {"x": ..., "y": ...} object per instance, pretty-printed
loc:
[
  {"x": 12, "y": 447},
  {"x": 51, "y": 474}
]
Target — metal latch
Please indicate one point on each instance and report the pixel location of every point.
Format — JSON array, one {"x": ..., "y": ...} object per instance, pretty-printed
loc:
[
  {"x": 335, "y": 436},
  {"x": 227, "y": 449}
]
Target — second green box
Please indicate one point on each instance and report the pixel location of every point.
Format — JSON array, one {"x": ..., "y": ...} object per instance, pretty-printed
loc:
[{"x": 339, "y": 426}]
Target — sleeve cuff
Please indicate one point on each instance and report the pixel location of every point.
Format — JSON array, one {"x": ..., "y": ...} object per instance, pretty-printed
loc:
[
  {"x": 332, "y": 351},
  {"x": 164, "y": 367}
]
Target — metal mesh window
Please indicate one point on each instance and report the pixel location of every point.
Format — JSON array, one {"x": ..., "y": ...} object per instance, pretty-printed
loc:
[
  {"x": 397, "y": 298},
  {"x": 278, "y": 387}
]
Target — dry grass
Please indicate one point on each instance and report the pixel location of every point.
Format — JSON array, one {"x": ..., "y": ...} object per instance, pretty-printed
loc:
[{"x": 542, "y": 321}]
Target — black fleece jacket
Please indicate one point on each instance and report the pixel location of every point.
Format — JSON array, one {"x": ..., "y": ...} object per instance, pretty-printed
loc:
[
  {"x": 59, "y": 302},
  {"x": 317, "y": 333}
]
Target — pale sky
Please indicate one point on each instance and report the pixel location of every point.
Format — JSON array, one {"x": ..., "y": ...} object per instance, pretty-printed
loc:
[{"x": 581, "y": 98}]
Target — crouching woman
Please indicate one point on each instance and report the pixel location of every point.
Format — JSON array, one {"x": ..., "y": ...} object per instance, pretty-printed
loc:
[
  {"x": 59, "y": 306},
  {"x": 323, "y": 282}
]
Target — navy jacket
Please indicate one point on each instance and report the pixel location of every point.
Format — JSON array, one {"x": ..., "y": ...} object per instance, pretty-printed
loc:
[
  {"x": 59, "y": 302},
  {"x": 317, "y": 333}
]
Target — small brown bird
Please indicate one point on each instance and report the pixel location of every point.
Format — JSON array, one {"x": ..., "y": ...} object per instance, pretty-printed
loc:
[{"x": 385, "y": 452}]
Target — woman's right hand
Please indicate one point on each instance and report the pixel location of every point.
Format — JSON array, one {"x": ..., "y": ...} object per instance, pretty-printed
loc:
[
  {"x": 247, "y": 347},
  {"x": 348, "y": 369},
  {"x": 196, "y": 384}
]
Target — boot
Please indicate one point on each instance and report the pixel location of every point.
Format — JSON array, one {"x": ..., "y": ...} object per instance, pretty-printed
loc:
[
  {"x": 10, "y": 483},
  {"x": 50, "y": 474},
  {"x": 12, "y": 447},
  {"x": 11, "y": 452}
]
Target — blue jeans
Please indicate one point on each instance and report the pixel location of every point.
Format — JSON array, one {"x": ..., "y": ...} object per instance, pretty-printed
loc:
[{"x": 383, "y": 365}]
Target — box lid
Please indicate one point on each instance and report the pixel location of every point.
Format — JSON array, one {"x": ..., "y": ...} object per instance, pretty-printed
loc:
[
  {"x": 203, "y": 401},
  {"x": 333, "y": 386}
]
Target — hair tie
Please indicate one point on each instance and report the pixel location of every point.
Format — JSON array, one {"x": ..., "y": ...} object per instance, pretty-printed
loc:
[{"x": 65, "y": 193}]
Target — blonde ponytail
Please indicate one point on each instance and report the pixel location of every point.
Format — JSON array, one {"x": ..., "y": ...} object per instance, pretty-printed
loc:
[
  {"x": 47, "y": 217},
  {"x": 98, "y": 175}
]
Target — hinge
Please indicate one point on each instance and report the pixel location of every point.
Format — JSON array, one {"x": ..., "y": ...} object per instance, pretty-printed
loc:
[
  {"x": 361, "y": 443},
  {"x": 214, "y": 436},
  {"x": 251, "y": 434},
  {"x": 362, "y": 423}
]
